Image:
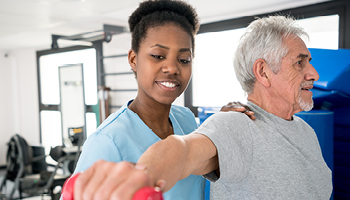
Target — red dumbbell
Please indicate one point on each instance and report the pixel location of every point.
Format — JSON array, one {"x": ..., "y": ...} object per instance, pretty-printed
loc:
[
  {"x": 145, "y": 193},
  {"x": 148, "y": 193}
]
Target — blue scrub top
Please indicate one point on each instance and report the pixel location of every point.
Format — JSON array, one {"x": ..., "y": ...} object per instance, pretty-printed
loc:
[{"x": 123, "y": 136}]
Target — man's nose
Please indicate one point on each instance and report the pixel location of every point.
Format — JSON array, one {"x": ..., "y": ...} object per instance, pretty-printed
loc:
[{"x": 312, "y": 74}]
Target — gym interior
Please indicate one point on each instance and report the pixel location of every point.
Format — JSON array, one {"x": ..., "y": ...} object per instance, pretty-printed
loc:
[{"x": 64, "y": 70}]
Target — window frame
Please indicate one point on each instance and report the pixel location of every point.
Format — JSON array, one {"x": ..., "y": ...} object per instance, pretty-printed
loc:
[{"x": 54, "y": 107}]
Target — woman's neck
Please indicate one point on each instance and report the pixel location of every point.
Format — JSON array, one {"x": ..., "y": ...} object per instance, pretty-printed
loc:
[{"x": 154, "y": 115}]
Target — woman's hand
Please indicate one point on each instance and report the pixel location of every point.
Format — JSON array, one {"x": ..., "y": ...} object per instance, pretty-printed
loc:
[
  {"x": 238, "y": 107},
  {"x": 110, "y": 180}
]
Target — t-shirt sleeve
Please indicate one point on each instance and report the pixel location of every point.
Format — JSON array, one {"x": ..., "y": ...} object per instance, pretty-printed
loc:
[
  {"x": 97, "y": 147},
  {"x": 230, "y": 133}
]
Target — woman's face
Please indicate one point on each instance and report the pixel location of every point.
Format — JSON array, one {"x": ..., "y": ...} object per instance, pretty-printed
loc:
[{"x": 163, "y": 64}]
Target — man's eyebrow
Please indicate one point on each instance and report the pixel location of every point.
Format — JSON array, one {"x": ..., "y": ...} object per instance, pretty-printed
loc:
[{"x": 301, "y": 56}]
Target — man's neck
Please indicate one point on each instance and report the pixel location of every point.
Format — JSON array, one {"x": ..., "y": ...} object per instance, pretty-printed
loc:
[{"x": 272, "y": 105}]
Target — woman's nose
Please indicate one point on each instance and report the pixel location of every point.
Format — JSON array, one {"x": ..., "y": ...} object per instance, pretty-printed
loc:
[{"x": 170, "y": 67}]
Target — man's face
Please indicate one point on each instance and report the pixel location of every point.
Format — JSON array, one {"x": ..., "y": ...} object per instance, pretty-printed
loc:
[{"x": 296, "y": 76}]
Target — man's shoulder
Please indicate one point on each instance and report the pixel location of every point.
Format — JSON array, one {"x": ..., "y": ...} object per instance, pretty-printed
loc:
[
  {"x": 231, "y": 115},
  {"x": 301, "y": 123},
  {"x": 228, "y": 120}
]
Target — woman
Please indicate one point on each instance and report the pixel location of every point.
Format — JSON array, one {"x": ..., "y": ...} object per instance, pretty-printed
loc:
[{"x": 161, "y": 58}]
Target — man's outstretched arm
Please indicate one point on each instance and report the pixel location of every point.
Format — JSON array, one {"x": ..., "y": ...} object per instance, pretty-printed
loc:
[{"x": 169, "y": 160}]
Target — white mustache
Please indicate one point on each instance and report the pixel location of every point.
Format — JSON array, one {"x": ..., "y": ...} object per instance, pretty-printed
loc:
[{"x": 306, "y": 83}]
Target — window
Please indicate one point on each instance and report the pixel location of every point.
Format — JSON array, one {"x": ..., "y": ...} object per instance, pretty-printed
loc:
[
  {"x": 49, "y": 74},
  {"x": 214, "y": 79},
  {"x": 50, "y": 115},
  {"x": 323, "y": 31}
]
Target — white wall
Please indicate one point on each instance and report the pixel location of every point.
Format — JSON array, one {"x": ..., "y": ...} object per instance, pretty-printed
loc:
[
  {"x": 6, "y": 104},
  {"x": 19, "y": 112}
]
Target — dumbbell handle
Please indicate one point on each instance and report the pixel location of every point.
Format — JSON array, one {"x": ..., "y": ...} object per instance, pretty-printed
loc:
[{"x": 145, "y": 193}]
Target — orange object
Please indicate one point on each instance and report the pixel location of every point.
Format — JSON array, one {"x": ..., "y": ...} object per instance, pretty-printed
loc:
[
  {"x": 148, "y": 193},
  {"x": 68, "y": 188},
  {"x": 145, "y": 193}
]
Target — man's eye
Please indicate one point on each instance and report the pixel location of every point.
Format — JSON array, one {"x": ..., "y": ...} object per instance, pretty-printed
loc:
[{"x": 299, "y": 62}]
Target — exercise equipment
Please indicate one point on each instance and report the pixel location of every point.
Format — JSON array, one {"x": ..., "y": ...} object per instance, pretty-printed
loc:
[
  {"x": 331, "y": 93},
  {"x": 28, "y": 171},
  {"x": 145, "y": 193},
  {"x": 148, "y": 193}
]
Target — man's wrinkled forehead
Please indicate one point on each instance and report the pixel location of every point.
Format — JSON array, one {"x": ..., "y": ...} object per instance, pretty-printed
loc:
[{"x": 297, "y": 47}]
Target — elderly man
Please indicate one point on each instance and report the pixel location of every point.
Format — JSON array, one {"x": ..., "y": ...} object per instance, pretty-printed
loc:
[{"x": 276, "y": 156}]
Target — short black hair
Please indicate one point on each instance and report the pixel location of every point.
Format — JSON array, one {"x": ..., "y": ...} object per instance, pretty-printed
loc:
[{"x": 153, "y": 13}]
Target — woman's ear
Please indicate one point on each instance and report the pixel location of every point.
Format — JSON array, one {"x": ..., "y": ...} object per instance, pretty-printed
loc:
[
  {"x": 261, "y": 71},
  {"x": 132, "y": 59}
]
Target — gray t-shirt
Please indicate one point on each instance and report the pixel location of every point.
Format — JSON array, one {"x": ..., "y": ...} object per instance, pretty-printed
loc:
[{"x": 266, "y": 158}]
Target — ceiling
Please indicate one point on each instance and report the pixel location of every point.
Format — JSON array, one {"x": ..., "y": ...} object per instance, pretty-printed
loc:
[{"x": 30, "y": 23}]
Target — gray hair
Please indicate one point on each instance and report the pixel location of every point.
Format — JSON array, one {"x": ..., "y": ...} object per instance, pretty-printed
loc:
[{"x": 263, "y": 39}]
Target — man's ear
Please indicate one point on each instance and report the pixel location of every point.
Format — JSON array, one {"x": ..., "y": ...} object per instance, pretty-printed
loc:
[
  {"x": 132, "y": 59},
  {"x": 261, "y": 71}
]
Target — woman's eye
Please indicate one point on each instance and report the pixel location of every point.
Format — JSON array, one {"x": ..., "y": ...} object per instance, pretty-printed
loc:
[
  {"x": 158, "y": 57},
  {"x": 184, "y": 61}
]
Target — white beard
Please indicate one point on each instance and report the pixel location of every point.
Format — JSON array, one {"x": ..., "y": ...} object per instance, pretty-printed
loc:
[{"x": 305, "y": 106}]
